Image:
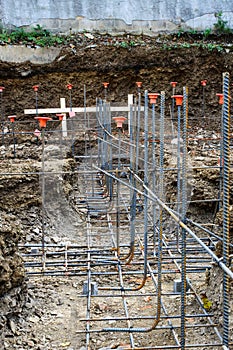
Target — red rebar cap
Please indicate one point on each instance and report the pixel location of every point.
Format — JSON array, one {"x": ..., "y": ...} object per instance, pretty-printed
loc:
[
  {"x": 60, "y": 116},
  {"x": 220, "y": 98},
  {"x": 105, "y": 84},
  {"x": 173, "y": 83},
  {"x": 119, "y": 121},
  {"x": 12, "y": 118},
  {"x": 179, "y": 99},
  {"x": 35, "y": 87},
  {"x": 139, "y": 84},
  {"x": 1, "y": 88},
  {"x": 153, "y": 97},
  {"x": 203, "y": 82},
  {"x": 43, "y": 121},
  {"x": 69, "y": 86}
]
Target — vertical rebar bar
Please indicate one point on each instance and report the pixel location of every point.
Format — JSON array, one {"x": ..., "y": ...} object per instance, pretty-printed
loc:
[
  {"x": 110, "y": 180},
  {"x": 100, "y": 132},
  {"x": 173, "y": 84},
  {"x": 133, "y": 192},
  {"x": 105, "y": 136},
  {"x": 173, "y": 101},
  {"x": 70, "y": 87},
  {"x": 226, "y": 206},
  {"x": 105, "y": 84},
  {"x": 161, "y": 197},
  {"x": 36, "y": 93},
  {"x": 13, "y": 134},
  {"x": 183, "y": 218},
  {"x": 221, "y": 160},
  {"x": 203, "y": 100},
  {"x": 91, "y": 162},
  {"x": 118, "y": 193},
  {"x": 145, "y": 176},
  {"x": 138, "y": 129},
  {"x": 154, "y": 173},
  {"x": 85, "y": 117},
  {"x": 43, "y": 199},
  {"x": 178, "y": 168},
  {"x": 88, "y": 308},
  {"x": 85, "y": 100},
  {"x": 70, "y": 95},
  {"x": 2, "y": 117},
  {"x": 109, "y": 139}
]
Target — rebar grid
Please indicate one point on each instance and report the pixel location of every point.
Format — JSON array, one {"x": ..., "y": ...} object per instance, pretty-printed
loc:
[{"x": 127, "y": 252}]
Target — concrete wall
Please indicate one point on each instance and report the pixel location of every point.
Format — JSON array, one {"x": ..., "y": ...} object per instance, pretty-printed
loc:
[{"x": 114, "y": 15}]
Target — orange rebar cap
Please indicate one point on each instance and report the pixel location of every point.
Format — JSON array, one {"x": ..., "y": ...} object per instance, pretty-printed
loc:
[
  {"x": 1, "y": 88},
  {"x": 203, "y": 82},
  {"x": 35, "y": 87},
  {"x": 12, "y": 118},
  {"x": 153, "y": 97},
  {"x": 220, "y": 98},
  {"x": 179, "y": 99},
  {"x": 139, "y": 84},
  {"x": 119, "y": 121},
  {"x": 60, "y": 116},
  {"x": 105, "y": 84},
  {"x": 173, "y": 83},
  {"x": 69, "y": 86},
  {"x": 43, "y": 121}
]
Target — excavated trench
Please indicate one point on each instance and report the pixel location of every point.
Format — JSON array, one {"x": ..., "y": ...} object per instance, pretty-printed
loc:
[{"x": 22, "y": 301}]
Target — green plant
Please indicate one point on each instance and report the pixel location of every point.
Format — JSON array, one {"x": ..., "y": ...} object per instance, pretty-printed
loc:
[
  {"x": 4, "y": 36},
  {"x": 132, "y": 43},
  {"x": 207, "y": 32},
  {"x": 185, "y": 45},
  {"x": 124, "y": 44},
  {"x": 180, "y": 32},
  {"x": 18, "y": 35},
  {"x": 37, "y": 36},
  {"x": 39, "y": 31},
  {"x": 219, "y": 48},
  {"x": 192, "y": 31},
  {"x": 212, "y": 47},
  {"x": 221, "y": 27}
]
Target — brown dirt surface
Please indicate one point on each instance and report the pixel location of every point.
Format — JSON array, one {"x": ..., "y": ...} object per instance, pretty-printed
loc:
[{"x": 121, "y": 61}]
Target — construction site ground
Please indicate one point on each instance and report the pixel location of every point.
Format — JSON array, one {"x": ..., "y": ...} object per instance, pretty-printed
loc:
[{"x": 52, "y": 310}]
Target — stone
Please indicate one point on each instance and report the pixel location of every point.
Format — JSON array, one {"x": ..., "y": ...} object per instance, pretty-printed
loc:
[
  {"x": 31, "y": 343},
  {"x": 55, "y": 239},
  {"x": 36, "y": 230},
  {"x": 12, "y": 326},
  {"x": 54, "y": 313},
  {"x": 33, "y": 319},
  {"x": 89, "y": 35}
]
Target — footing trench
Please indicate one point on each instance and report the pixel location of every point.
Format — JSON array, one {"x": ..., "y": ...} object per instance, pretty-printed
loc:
[{"x": 142, "y": 265}]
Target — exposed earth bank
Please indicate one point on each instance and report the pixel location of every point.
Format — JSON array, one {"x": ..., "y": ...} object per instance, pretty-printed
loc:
[{"x": 91, "y": 60}]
